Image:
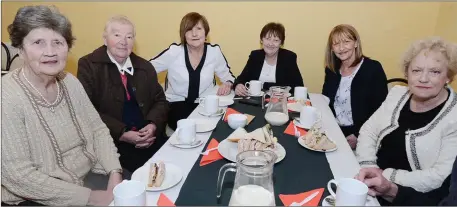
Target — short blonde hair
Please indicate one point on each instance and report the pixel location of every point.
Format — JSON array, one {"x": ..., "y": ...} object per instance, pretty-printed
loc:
[
  {"x": 437, "y": 44},
  {"x": 117, "y": 19},
  {"x": 345, "y": 31}
]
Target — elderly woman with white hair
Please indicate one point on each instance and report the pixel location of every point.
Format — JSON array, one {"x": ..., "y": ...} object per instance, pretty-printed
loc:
[
  {"x": 53, "y": 137},
  {"x": 411, "y": 140},
  {"x": 124, "y": 89}
]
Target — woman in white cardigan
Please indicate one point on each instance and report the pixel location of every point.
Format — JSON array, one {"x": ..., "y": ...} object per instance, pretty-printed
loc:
[{"x": 412, "y": 138}]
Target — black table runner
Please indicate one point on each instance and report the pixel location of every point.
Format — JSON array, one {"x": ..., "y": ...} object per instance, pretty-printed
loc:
[{"x": 300, "y": 171}]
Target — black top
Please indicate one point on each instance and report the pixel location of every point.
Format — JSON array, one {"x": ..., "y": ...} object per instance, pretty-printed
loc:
[
  {"x": 392, "y": 153},
  {"x": 194, "y": 75},
  {"x": 287, "y": 71},
  {"x": 368, "y": 90}
]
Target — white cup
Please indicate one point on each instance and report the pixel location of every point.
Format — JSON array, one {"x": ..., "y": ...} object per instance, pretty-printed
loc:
[
  {"x": 300, "y": 93},
  {"x": 237, "y": 120},
  {"x": 309, "y": 116},
  {"x": 349, "y": 192},
  {"x": 210, "y": 103},
  {"x": 254, "y": 88},
  {"x": 186, "y": 131},
  {"x": 130, "y": 193}
]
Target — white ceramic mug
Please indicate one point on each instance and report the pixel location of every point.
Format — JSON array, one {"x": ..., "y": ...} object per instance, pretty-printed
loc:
[
  {"x": 186, "y": 131},
  {"x": 309, "y": 116},
  {"x": 254, "y": 87},
  {"x": 349, "y": 192},
  {"x": 300, "y": 93},
  {"x": 130, "y": 193},
  {"x": 210, "y": 103}
]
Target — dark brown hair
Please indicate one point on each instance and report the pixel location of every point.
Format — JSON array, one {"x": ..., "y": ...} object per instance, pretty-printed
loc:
[
  {"x": 29, "y": 18},
  {"x": 275, "y": 29},
  {"x": 189, "y": 21}
]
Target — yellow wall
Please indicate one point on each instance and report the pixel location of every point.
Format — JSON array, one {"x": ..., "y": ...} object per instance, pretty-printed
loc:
[
  {"x": 386, "y": 28},
  {"x": 446, "y": 26}
]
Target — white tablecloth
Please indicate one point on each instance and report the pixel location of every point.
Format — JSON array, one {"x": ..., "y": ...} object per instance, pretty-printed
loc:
[{"x": 342, "y": 161}]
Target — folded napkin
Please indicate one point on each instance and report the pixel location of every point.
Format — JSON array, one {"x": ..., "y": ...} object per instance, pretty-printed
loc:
[
  {"x": 233, "y": 111},
  {"x": 213, "y": 155},
  {"x": 291, "y": 131},
  {"x": 289, "y": 199},
  {"x": 164, "y": 201}
]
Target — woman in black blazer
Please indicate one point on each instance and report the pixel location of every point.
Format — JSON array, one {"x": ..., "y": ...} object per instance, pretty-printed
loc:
[
  {"x": 272, "y": 65},
  {"x": 355, "y": 84}
]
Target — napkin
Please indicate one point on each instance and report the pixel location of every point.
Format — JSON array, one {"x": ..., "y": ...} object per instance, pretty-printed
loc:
[
  {"x": 233, "y": 111},
  {"x": 213, "y": 155},
  {"x": 289, "y": 199},
  {"x": 291, "y": 131},
  {"x": 164, "y": 201}
]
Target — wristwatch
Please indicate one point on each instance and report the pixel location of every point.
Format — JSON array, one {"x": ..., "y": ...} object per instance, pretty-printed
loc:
[{"x": 116, "y": 171}]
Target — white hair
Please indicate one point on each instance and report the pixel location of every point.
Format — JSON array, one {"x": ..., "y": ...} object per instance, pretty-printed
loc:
[{"x": 117, "y": 19}]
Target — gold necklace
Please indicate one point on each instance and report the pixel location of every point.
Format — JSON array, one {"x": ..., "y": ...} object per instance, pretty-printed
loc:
[{"x": 51, "y": 105}]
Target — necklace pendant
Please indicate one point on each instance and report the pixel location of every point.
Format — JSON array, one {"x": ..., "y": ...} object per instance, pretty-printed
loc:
[{"x": 52, "y": 109}]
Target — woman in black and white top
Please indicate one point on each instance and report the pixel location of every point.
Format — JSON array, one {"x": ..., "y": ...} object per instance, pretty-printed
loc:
[
  {"x": 272, "y": 65},
  {"x": 191, "y": 67},
  {"x": 355, "y": 84}
]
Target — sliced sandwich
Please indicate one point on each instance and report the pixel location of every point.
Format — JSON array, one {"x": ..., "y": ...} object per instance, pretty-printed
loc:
[
  {"x": 156, "y": 174},
  {"x": 259, "y": 139},
  {"x": 317, "y": 140}
]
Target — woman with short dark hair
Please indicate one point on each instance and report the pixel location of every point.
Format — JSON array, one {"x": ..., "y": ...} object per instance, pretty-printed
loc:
[
  {"x": 272, "y": 65},
  {"x": 54, "y": 136},
  {"x": 191, "y": 68}
]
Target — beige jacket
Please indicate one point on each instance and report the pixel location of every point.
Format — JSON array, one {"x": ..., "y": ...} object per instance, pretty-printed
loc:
[
  {"x": 48, "y": 150},
  {"x": 431, "y": 150}
]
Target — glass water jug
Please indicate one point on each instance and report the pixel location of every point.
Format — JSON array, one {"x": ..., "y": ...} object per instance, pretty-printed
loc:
[
  {"x": 277, "y": 113},
  {"x": 253, "y": 184}
]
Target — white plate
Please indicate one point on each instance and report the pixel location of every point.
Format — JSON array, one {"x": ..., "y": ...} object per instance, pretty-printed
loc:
[
  {"x": 205, "y": 125},
  {"x": 202, "y": 111},
  {"x": 325, "y": 203},
  {"x": 225, "y": 102},
  {"x": 173, "y": 175},
  {"x": 258, "y": 95},
  {"x": 174, "y": 142},
  {"x": 299, "y": 125},
  {"x": 229, "y": 150},
  {"x": 302, "y": 143},
  {"x": 295, "y": 106}
]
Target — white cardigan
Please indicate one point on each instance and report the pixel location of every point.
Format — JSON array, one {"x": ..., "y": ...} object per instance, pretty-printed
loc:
[{"x": 431, "y": 150}]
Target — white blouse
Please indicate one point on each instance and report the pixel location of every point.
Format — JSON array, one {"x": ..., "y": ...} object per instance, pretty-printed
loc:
[
  {"x": 185, "y": 83},
  {"x": 268, "y": 73},
  {"x": 342, "y": 104}
]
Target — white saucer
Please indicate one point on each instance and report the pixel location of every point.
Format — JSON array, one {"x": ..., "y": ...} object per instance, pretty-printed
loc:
[
  {"x": 302, "y": 143},
  {"x": 258, "y": 95},
  {"x": 173, "y": 140},
  {"x": 202, "y": 111},
  {"x": 299, "y": 125},
  {"x": 223, "y": 102},
  {"x": 295, "y": 106},
  {"x": 205, "y": 125},
  {"x": 173, "y": 175}
]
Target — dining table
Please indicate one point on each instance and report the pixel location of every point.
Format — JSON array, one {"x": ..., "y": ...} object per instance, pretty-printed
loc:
[{"x": 301, "y": 169}]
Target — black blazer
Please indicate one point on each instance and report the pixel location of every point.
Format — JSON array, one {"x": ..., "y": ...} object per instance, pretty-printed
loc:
[
  {"x": 287, "y": 71},
  {"x": 368, "y": 90}
]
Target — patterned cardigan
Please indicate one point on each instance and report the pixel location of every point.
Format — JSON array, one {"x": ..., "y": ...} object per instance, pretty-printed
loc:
[{"x": 431, "y": 150}]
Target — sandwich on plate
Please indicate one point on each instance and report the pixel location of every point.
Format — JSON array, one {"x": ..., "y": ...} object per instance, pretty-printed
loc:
[
  {"x": 156, "y": 174},
  {"x": 318, "y": 140},
  {"x": 259, "y": 139}
]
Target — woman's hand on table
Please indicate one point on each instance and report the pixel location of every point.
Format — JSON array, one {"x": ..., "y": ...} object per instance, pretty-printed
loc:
[
  {"x": 241, "y": 90},
  {"x": 224, "y": 89}
]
